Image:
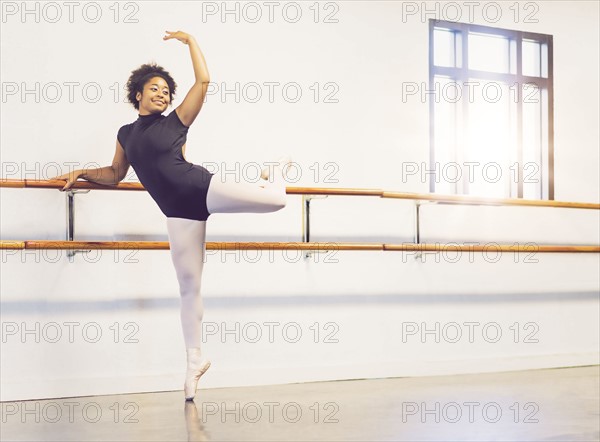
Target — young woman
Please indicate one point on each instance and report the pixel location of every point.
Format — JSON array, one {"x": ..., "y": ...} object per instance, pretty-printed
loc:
[{"x": 187, "y": 194}]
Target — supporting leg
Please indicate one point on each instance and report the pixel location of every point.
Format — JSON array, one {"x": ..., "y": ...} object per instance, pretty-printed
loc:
[{"x": 187, "y": 241}]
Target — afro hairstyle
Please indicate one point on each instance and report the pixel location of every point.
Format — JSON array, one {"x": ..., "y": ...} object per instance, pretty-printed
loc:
[{"x": 140, "y": 76}]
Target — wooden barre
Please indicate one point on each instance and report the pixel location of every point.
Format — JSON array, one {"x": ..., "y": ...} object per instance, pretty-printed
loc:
[
  {"x": 164, "y": 245},
  {"x": 59, "y": 184},
  {"x": 465, "y": 199},
  {"x": 456, "y": 199}
]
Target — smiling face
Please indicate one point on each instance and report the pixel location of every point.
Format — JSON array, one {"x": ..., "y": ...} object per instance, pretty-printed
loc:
[{"x": 155, "y": 97}]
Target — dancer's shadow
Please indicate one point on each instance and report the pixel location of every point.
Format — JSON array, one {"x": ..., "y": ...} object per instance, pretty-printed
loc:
[{"x": 195, "y": 429}]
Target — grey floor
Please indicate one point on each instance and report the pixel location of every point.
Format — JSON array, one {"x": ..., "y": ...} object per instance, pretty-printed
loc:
[{"x": 558, "y": 404}]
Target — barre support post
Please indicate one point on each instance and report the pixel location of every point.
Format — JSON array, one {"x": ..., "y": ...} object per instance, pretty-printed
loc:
[
  {"x": 306, "y": 198},
  {"x": 71, "y": 219},
  {"x": 417, "y": 228}
]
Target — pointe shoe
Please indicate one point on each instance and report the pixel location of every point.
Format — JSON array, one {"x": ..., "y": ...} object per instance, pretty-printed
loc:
[
  {"x": 195, "y": 369},
  {"x": 282, "y": 162},
  {"x": 191, "y": 380}
]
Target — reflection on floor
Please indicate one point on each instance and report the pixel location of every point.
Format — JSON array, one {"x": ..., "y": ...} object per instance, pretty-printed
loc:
[{"x": 558, "y": 404}]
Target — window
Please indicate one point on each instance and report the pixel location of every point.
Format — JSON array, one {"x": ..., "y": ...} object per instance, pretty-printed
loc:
[{"x": 491, "y": 121}]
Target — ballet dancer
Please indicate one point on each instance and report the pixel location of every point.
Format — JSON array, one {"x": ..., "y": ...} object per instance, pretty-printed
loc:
[{"x": 186, "y": 193}]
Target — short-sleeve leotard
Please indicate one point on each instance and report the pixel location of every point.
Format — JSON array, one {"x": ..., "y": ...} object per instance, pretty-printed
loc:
[{"x": 153, "y": 145}]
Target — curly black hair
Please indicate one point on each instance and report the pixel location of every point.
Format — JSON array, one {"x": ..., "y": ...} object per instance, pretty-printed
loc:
[{"x": 140, "y": 76}]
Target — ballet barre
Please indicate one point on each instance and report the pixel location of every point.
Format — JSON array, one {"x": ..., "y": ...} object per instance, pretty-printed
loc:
[
  {"x": 308, "y": 194},
  {"x": 314, "y": 246},
  {"x": 433, "y": 197}
]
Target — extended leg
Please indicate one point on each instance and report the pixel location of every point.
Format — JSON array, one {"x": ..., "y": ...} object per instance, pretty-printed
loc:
[{"x": 227, "y": 195}]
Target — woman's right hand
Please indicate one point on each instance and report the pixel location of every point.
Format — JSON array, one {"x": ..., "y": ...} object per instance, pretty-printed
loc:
[
  {"x": 70, "y": 178},
  {"x": 183, "y": 37}
]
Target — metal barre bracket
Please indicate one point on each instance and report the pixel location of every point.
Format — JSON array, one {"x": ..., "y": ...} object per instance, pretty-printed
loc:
[
  {"x": 418, "y": 204},
  {"x": 71, "y": 219},
  {"x": 306, "y": 221}
]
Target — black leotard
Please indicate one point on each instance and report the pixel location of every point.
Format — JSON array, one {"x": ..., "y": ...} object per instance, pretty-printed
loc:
[{"x": 152, "y": 145}]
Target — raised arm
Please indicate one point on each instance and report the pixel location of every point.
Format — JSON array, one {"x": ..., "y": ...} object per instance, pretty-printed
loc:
[{"x": 188, "y": 110}]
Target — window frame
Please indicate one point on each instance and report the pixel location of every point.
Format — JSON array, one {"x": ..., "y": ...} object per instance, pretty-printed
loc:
[{"x": 463, "y": 73}]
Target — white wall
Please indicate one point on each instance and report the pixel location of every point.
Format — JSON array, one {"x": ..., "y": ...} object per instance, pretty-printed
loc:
[{"x": 369, "y": 301}]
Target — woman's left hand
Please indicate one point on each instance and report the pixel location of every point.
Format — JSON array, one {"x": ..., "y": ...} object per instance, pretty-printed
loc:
[{"x": 181, "y": 36}]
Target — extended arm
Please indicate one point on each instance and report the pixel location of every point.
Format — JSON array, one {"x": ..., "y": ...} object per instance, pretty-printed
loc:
[
  {"x": 111, "y": 175},
  {"x": 188, "y": 110}
]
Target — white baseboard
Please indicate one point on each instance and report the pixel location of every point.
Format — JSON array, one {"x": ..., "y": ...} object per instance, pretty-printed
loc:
[{"x": 219, "y": 378}]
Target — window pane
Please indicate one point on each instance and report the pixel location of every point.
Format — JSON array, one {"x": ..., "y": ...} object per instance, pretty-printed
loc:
[
  {"x": 532, "y": 142},
  {"x": 490, "y": 139},
  {"x": 544, "y": 55},
  {"x": 489, "y": 52},
  {"x": 447, "y": 122},
  {"x": 444, "y": 48},
  {"x": 531, "y": 58}
]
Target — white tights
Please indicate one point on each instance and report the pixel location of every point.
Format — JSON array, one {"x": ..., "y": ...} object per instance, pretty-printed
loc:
[{"x": 187, "y": 239}]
